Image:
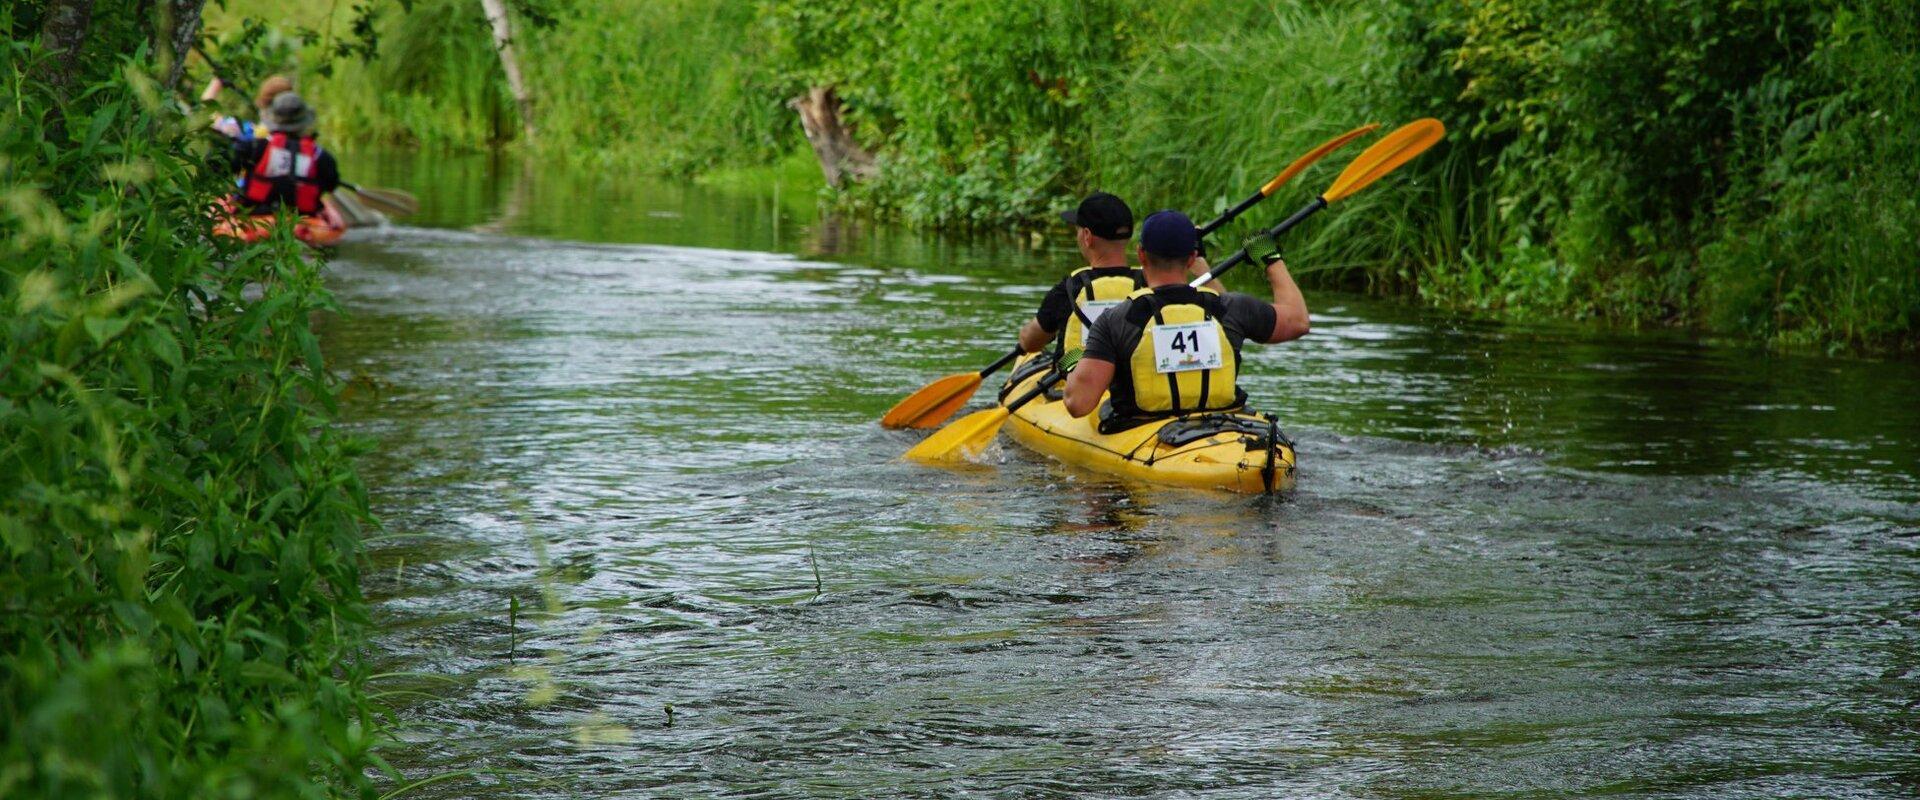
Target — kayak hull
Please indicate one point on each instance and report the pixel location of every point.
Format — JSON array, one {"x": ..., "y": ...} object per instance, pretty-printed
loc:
[
  {"x": 1234, "y": 459},
  {"x": 320, "y": 230}
]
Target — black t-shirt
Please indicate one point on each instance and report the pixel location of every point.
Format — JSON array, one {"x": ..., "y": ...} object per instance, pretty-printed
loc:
[
  {"x": 1056, "y": 307},
  {"x": 246, "y": 155}
]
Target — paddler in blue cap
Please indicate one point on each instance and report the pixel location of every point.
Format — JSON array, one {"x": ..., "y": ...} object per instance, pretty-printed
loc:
[
  {"x": 1169, "y": 349},
  {"x": 1103, "y": 224}
]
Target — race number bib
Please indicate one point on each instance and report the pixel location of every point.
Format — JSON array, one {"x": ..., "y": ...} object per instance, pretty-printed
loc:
[
  {"x": 1092, "y": 309},
  {"x": 1186, "y": 347},
  {"x": 279, "y": 161}
]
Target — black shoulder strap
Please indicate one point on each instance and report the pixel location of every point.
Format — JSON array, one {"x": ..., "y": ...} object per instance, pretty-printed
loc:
[{"x": 1144, "y": 307}]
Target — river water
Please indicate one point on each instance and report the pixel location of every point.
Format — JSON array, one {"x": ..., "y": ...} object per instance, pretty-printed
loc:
[{"x": 644, "y": 538}]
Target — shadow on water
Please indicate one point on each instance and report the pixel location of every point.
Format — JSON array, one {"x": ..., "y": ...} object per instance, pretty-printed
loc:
[{"x": 641, "y": 517}]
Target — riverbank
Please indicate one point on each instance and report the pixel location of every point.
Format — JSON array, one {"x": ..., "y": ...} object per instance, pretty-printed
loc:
[
  {"x": 180, "y": 524},
  {"x": 1752, "y": 183}
]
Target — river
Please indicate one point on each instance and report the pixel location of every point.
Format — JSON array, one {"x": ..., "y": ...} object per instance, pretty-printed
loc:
[{"x": 644, "y": 538}]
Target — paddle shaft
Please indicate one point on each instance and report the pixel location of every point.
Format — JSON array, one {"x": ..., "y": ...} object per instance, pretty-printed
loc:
[
  {"x": 1230, "y": 214},
  {"x": 1242, "y": 256},
  {"x": 219, "y": 71},
  {"x": 1004, "y": 360},
  {"x": 1046, "y": 382}
]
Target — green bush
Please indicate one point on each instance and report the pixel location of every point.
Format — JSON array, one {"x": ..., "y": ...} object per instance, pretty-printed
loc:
[
  {"x": 1741, "y": 165},
  {"x": 179, "y": 527}
]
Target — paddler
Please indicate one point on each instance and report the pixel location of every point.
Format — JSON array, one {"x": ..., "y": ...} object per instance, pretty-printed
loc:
[
  {"x": 239, "y": 129},
  {"x": 1171, "y": 349},
  {"x": 284, "y": 166},
  {"x": 1102, "y": 224}
]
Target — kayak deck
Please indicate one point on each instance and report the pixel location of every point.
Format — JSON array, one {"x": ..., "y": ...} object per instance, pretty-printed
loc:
[
  {"x": 319, "y": 230},
  {"x": 1238, "y": 451}
]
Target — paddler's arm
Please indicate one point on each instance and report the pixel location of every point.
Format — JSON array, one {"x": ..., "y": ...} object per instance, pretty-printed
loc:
[
  {"x": 1086, "y": 383},
  {"x": 326, "y": 173},
  {"x": 1199, "y": 267},
  {"x": 1033, "y": 337},
  {"x": 1054, "y": 308},
  {"x": 1093, "y": 369},
  {"x": 1289, "y": 306}
]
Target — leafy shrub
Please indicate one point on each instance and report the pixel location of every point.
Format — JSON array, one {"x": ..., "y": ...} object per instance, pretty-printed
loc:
[{"x": 179, "y": 528}]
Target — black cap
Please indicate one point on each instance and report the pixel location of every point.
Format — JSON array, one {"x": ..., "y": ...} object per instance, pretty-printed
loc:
[
  {"x": 1104, "y": 214},
  {"x": 1169, "y": 234}
]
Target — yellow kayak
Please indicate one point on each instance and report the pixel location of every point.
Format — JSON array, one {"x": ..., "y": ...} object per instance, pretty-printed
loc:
[{"x": 1240, "y": 452}]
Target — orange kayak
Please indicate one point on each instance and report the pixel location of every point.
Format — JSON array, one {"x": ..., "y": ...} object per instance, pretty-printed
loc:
[{"x": 320, "y": 230}]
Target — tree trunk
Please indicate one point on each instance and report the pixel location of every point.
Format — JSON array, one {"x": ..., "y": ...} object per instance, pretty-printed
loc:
[
  {"x": 503, "y": 44},
  {"x": 64, "y": 28},
  {"x": 840, "y": 156},
  {"x": 179, "y": 29}
]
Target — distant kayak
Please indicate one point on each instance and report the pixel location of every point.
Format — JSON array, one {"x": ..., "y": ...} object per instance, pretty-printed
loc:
[
  {"x": 320, "y": 230},
  {"x": 1235, "y": 451}
]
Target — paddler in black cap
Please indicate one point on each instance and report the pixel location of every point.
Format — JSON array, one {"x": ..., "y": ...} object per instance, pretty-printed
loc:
[
  {"x": 1103, "y": 224},
  {"x": 1170, "y": 349}
]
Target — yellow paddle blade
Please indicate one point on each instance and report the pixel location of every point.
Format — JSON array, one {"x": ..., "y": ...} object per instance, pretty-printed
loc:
[
  {"x": 962, "y": 440},
  {"x": 934, "y": 403},
  {"x": 1386, "y": 155},
  {"x": 1315, "y": 154}
]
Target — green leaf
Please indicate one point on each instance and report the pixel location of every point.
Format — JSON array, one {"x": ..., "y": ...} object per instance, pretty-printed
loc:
[
  {"x": 101, "y": 329},
  {"x": 162, "y": 344}
]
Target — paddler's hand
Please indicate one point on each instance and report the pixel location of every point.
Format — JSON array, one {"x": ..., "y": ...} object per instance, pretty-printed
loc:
[
  {"x": 212, "y": 91},
  {"x": 1069, "y": 361},
  {"x": 1199, "y": 266},
  {"x": 1262, "y": 248}
]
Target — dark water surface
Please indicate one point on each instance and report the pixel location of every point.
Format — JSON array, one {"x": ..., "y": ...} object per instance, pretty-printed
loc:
[{"x": 1522, "y": 561}]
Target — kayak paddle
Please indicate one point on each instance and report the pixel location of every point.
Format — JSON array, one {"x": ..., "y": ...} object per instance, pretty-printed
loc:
[
  {"x": 389, "y": 201},
  {"x": 937, "y": 401},
  {"x": 1287, "y": 174},
  {"x": 970, "y": 436}
]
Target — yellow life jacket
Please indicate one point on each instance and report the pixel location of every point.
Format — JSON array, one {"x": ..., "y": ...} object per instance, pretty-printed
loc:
[
  {"x": 1180, "y": 336},
  {"x": 1093, "y": 290}
]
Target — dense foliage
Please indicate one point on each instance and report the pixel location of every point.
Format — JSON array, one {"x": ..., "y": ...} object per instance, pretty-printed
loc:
[
  {"x": 1744, "y": 166},
  {"x": 180, "y": 613},
  {"x": 1751, "y": 163}
]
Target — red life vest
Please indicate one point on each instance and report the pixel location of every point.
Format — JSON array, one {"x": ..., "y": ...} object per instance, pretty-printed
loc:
[{"x": 279, "y": 166}]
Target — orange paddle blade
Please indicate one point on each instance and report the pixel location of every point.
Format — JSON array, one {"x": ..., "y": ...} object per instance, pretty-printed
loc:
[
  {"x": 1386, "y": 155},
  {"x": 962, "y": 440},
  {"x": 1316, "y": 154},
  {"x": 934, "y": 403}
]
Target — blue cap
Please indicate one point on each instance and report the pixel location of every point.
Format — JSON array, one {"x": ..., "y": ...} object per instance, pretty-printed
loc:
[{"x": 1169, "y": 234}]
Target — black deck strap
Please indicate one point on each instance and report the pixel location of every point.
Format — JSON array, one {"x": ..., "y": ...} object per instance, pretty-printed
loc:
[
  {"x": 1195, "y": 427},
  {"x": 1273, "y": 453},
  {"x": 1033, "y": 366},
  {"x": 1206, "y": 375},
  {"x": 1111, "y": 423}
]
